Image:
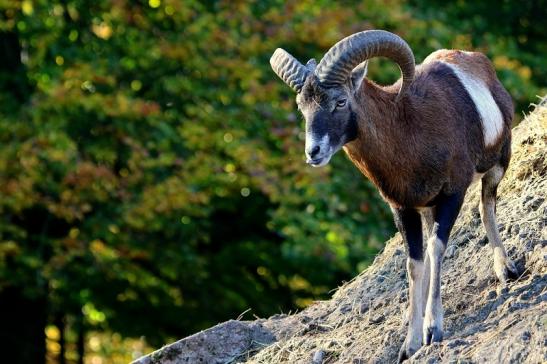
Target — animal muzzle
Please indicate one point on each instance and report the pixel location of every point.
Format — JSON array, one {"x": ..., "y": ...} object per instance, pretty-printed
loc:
[{"x": 318, "y": 150}]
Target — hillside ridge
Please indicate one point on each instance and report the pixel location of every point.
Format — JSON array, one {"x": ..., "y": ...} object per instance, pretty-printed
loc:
[{"x": 364, "y": 321}]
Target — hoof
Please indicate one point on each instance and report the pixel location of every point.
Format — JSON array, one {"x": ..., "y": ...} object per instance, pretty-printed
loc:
[
  {"x": 433, "y": 335},
  {"x": 406, "y": 352},
  {"x": 403, "y": 355},
  {"x": 507, "y": 271}
]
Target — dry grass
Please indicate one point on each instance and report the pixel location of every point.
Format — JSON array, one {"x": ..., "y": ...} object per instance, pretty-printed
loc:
[{"x": 364, "y": 321}]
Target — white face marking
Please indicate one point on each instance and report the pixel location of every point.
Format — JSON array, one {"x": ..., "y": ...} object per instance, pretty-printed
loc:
[
  {"x": 325, "y": 152},
  {"x": 492, "y": 120}
]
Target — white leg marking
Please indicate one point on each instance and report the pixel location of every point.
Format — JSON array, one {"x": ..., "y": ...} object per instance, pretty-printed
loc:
[
  {"x": 429, "y": 223},
  {"x": 502, "y": 264},
  {"x": 433, "y": 319},
  {"x": 425, "y": 282},
  {"x": 413, "y": 340},
  {"x": 492, "y": 120}
]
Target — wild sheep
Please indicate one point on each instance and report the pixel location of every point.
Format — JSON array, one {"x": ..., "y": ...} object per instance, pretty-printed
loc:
[{"x": 421, "y": 141}]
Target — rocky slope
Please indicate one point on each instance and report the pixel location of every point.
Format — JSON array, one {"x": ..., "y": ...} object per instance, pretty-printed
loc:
[{"x": 364, "y": 322}]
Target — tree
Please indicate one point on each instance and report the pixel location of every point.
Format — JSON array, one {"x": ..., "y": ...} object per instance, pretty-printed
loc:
[{"x": 151, "y": 166}]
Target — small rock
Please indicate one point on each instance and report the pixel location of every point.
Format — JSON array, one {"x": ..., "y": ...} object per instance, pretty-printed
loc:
[
  {"x": 456, "y": 342},
  {"x": 502, "y": 289},
  {"x": 514, "y": 306},
  {"x": 377, "y": 319},
  {"x": 515, "y": 228},
  {"x": 431, "y": 361},
  {"x": 378, "y": 304},
  {"x": 526, "y": 295},
  {"x": 345, "y": 308},
  {"x": 475, "y": 212},
  {"x": 536, "y": 278},
  {"x": 450, "y": 251},
  {"x": 387, "y": 338},
  {"x": 483, "y": 241},
  {"x": 525, "y": 336},
  {"x": 318, "y": 357},
  {"x": 536, "y": 203}
]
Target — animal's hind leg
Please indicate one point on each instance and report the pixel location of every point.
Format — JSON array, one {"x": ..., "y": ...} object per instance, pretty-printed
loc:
[{"x": 503, "y": 266}]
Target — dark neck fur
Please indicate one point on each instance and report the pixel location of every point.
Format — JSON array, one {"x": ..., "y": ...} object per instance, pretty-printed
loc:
[{"x": 380, "y": 138}]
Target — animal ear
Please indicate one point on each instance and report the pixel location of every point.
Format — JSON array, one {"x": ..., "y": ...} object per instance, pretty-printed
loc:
[{"x": 358, "y": 75}]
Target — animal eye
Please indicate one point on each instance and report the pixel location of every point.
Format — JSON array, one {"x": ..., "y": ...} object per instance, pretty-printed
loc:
[{"x": 341, "y": 103}]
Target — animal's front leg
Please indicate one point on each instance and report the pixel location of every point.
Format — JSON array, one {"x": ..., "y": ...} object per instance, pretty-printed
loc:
[
  {"x": 409, "y": 224},
  {"x": 445, "y": 215},
  {"x": 427, "y": 223}
]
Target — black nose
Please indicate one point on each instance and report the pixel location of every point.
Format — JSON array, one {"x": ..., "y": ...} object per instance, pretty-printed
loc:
[{"x": 315, "y": 151}]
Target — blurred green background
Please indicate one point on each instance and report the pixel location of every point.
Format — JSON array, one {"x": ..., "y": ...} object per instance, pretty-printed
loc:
[{"x": 152, "y": 179}]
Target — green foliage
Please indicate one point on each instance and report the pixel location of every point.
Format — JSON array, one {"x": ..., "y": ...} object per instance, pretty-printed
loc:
[
  {"x": 508, "y": 32},
  {"x": 151, "y": 163}
]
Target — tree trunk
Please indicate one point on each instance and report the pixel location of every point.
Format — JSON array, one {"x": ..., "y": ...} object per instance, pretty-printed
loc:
[
  {"x": 81, "y": 341},
  {"x": 22, "y": 324},
  {"x": 23, "y": 317},
  {"x": 13, "y": 75},
  {"x": 60, "y": 323}
]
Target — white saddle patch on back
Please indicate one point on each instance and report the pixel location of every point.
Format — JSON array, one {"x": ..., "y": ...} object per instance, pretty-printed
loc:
[{"x": 491, "y": 118}]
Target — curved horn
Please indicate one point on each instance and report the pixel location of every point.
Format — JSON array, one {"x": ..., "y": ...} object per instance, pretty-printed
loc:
[
  {"x": 292, "y": 72},
  {"x": 335, "y": 67}
]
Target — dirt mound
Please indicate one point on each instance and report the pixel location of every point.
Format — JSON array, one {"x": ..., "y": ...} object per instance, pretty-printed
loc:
[{"x": 364, "y": 322}]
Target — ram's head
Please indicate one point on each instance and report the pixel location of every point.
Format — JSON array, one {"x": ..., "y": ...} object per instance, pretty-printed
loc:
[{"x": 327, "y": 93}]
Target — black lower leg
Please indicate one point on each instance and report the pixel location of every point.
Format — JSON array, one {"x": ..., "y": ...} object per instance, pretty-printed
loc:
[
  {"x": 446, "y": 211},
  {"x": 409, "y": 224}
]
